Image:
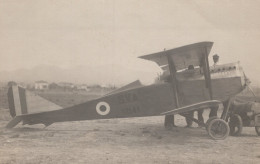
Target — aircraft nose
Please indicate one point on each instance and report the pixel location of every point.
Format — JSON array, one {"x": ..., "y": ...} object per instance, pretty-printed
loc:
[{"x": 245, "y": 81}]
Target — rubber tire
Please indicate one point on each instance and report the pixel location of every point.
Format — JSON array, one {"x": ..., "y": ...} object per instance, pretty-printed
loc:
[
  {"x": 219, "y": 122},
  {"x": 210, "y": 119},
  {"x": 257, "y": 129},
  {"x": 238, "y": 123}
]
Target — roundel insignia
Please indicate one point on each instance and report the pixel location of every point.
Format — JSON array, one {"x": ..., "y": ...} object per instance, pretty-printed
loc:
[{"x": 102, "y": 108}]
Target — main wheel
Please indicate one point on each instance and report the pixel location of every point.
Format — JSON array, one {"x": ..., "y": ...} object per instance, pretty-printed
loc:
[
  {"x": 210, "y": 119},
  {"x": 218, "y": 129},
  {"x": 235, "y": 125},
  {"x": 257, "y": 129}
]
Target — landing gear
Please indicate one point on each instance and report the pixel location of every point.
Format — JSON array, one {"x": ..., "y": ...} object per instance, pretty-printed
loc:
[
  {"x": 218, "y": 129},
  {"x": 208, "y": 121},
  {"x": 169, "y": 122},
  {"x": 235, "y": 125}
]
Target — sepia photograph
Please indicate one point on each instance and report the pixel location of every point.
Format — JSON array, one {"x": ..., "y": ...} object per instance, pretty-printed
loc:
[{"x": 129, "y": 81}]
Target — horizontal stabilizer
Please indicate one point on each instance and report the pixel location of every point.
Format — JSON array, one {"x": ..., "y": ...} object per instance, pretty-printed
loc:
[{"x": 189, "y": 108}]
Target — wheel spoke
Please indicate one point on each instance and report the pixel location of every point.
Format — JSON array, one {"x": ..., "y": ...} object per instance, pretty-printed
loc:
[{"x": 218, "y": 129}]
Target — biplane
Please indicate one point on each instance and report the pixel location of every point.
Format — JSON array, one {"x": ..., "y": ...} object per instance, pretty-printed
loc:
[{"x": 180, "y": 90}]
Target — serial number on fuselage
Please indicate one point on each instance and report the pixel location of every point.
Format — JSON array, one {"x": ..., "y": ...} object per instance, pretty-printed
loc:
[
  {"x": 127, "y": 98},
  {"x": 131, "y": 110}
]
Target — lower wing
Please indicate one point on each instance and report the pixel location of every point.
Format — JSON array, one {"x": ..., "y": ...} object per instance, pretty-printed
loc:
[{"x": 193, "y": 107}]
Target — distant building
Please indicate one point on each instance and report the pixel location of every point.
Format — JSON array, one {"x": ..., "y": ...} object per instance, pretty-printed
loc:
[
  {"x": 41, "y": 85},
  {"x": 30, "y": 86},
  {"x": 82, "y": 87},
  {"x": 66, "y": 85}
]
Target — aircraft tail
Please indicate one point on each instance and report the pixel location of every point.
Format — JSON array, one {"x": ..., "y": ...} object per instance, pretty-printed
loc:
[{"x": 22, "y": 102}]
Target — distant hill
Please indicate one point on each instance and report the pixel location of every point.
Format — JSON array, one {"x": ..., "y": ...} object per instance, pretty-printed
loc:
[{"x": 104, "y": 74}]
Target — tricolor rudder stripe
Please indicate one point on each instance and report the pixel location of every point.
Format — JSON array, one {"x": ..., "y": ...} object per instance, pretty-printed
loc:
[
  {"x": 23, "y": 101},
  {"x": 17, "y": 101}
]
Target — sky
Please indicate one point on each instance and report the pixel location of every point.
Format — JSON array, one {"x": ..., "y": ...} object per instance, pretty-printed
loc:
[{"x": 69, "y": 33}]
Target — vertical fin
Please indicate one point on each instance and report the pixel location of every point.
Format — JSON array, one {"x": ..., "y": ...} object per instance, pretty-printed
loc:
[
  {"x": 25, "y": 102},
  {"x": 17, "y": 102},
  {"x": 22, "y": 102}
]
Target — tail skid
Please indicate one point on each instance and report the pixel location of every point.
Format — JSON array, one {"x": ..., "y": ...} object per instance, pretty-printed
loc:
[{"x": 16, "y": 120}]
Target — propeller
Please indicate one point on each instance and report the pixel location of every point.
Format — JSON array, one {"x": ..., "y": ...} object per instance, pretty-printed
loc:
[{"x": 248, "y": 82}]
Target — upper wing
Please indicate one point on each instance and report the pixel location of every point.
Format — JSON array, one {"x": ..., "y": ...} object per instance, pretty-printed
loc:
[
  {"x": 182, "y": 57},
  {"x": 197, "y": 106}
]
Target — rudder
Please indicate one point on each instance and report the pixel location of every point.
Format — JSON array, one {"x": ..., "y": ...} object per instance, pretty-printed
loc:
[
  {"x": 17, "y": 101},
  {"x": 22, "y": 102}
]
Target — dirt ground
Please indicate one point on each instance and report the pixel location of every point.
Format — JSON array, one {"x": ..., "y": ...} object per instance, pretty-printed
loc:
[{"x": 131, "y": 140}]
